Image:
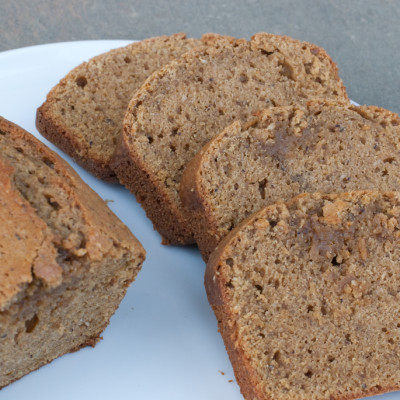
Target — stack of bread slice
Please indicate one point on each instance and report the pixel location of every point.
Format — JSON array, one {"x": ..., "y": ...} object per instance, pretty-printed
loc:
[{"x": 306, "y": 287}]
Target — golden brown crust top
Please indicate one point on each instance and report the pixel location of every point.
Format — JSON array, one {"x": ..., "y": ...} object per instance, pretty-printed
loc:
[
  {"x": 25, "y": 241},
  {"x": 29, "y": 238}
]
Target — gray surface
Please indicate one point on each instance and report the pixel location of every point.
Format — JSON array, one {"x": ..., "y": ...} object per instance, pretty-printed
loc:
[{"x": 362, "y": 36}]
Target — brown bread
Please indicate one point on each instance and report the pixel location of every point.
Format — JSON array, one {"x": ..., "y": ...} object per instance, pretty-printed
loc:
[
  {"x": 83, "y": 114},
  {"x": 306, "y": 294},
  {"x": 326, "y": 147},
  {"x": 185, "y": 104},
  {"x": 65, "y": 258}
]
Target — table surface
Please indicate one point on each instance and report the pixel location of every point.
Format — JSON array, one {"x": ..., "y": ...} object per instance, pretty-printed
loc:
[{"x": 362, "y": 36}]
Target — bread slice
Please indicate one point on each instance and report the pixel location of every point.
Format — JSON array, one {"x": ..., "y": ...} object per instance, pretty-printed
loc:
[
  {"x": 65, "y": 258},
  {"x": 306, "y": 294},
  {"x": 326, "y": 147},
  {"x": 83, "y": 114},
  {"x": 185, "y": 104}
]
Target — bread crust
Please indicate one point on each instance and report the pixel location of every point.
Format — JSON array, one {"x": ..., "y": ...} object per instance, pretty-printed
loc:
[
  {"x": 66, "y": 141},
  {"x": 216, "y": 288},
  {"x": 194, "y": 200},
  {"x": 158, "y": 207},
  {"x": 134, "y": 131}
]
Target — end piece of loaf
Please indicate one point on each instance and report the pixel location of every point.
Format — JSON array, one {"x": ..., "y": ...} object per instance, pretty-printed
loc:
[
  {"x": 187, "y": 103},
  {"x": 65, "y": 258},
  {"x": 83, "y": 114},
  {"x": 322, "y": 146},
  {"x": 306, "y": 294}
]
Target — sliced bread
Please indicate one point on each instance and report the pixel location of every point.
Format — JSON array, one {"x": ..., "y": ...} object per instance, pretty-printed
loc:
[
  {"x": 65, "y": 259},
  {"x": 185, "y": 104},
  {"x": 306, "y": 294},
  {"x": 83, "y": 114},
  {"x": 326, "y": 147}
]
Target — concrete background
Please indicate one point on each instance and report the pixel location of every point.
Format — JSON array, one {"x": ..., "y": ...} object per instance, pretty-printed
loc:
[{"x": 362, "y": 36}]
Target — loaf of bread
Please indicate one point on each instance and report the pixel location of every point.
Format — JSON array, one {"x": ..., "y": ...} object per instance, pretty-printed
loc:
[
  {"x": 83, "y": 114},
  {"x": 326, "y": 147},
  {"x": 306, "y": 294},
  {"x": 185, "y": 104},
  {"x": 65, "y": 259}
]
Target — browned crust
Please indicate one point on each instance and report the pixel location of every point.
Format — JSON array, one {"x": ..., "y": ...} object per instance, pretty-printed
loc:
[
  {"x": 168, "y": 216},
  {"x": 316, "y": 50},
  {"x": 133, "y": 174},
  {"x": 98, "y": 215},
  {"x": 215, "y": 284},
  {"x": 194, "y": 200},
  {"x": 63, "y": 139},
  {"x": 217, "y": 297},
  {"x": 60, "y": 134}
]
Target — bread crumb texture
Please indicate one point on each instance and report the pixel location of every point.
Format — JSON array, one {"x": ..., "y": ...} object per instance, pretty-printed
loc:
[
  {"x": 83, "y": 114},
  {"x": 322, "y": 146},
  {"x": 306, "y": 294},
  {"x": 65, "y": 259},
  {"x": 185, "y": 104}
]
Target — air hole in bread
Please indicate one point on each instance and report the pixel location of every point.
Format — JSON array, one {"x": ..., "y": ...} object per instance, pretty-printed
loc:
[
  {"x": 272, "y": 224},
  {"x": 81, "y": 81},
  {"x": 288, "y": 71},
  {"x": 335, "y": 261},
  {"x": 261, "y": 188},
  {"x": 309, "y": 374},
  {"x": 277, "y": 356},
  {"x": 388, "y": 160},
  {"x": 243, "y": 78},
  {"x": 53, "y": 204},
  {"x": 30, "y": 324},
  {"x": 48, "y": 162},
  {"x": 229, "y": 261},
  {"x": 266, "y": 53},
  {"x": 348, "y": 339},
  {"x": 259, "y": 288}
]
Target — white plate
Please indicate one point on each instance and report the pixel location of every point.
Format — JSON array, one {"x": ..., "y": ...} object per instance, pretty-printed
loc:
[{"x": 162, "y": 343}]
